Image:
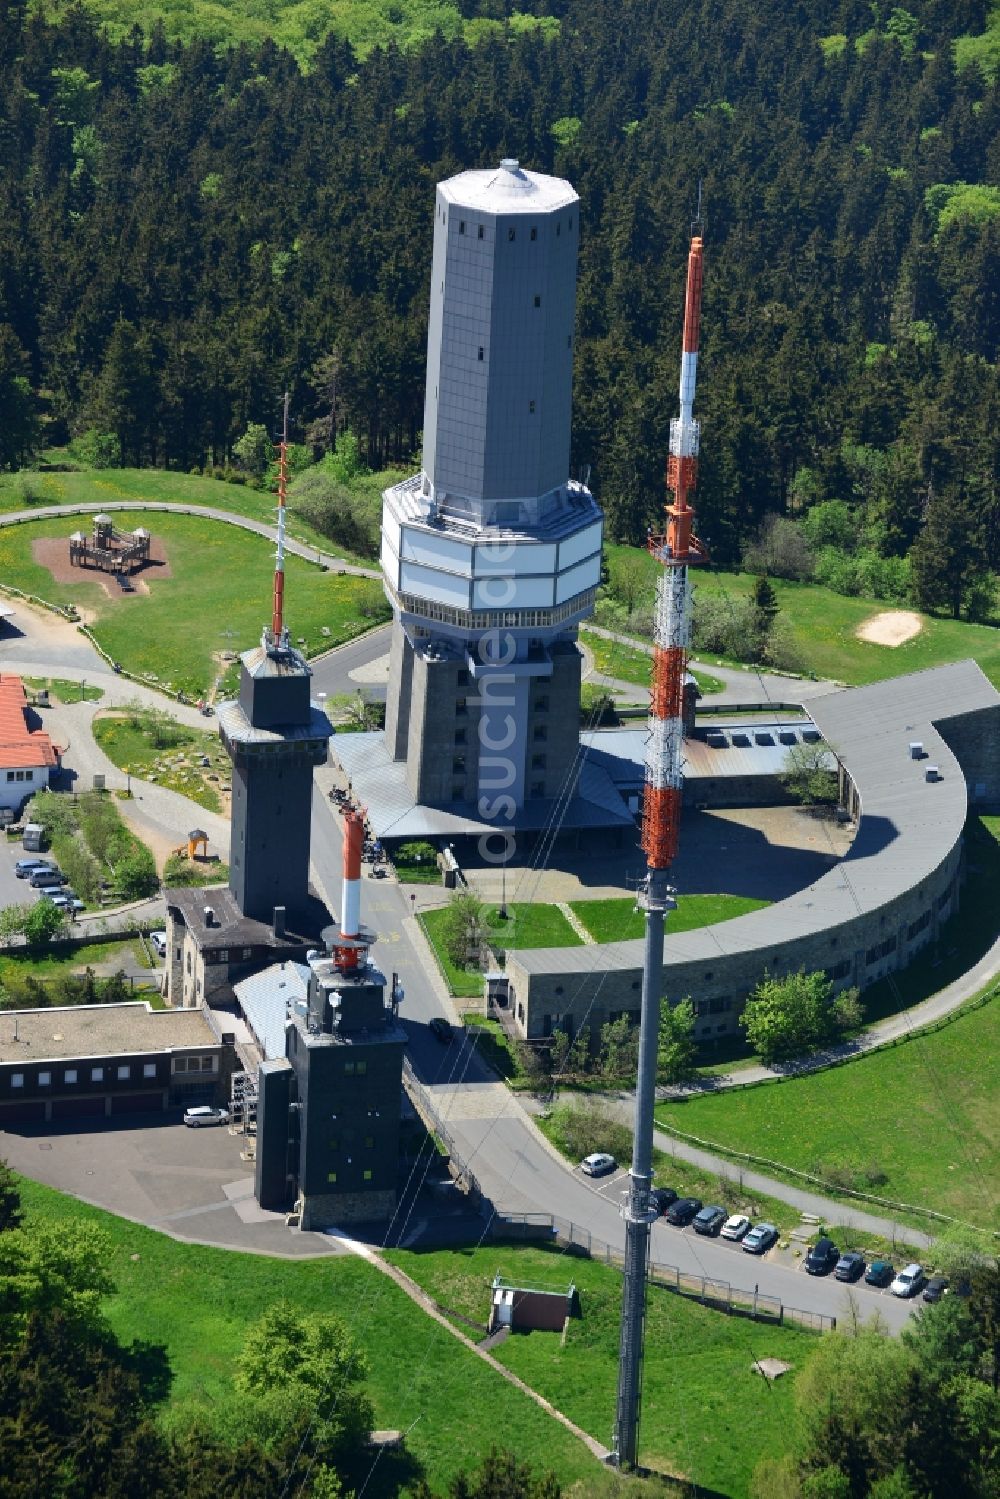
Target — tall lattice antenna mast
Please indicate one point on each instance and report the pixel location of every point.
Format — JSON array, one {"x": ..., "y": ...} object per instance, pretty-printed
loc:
[
  {"x": 675, "y": 550},
  {"x": 279, "y": 633}
]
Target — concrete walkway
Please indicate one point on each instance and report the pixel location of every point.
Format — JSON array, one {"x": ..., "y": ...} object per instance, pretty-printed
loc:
[{"x": 742, "y": 684}]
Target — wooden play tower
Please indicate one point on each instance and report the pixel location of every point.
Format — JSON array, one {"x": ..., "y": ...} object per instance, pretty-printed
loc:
[{"x": 111, "y": 551}]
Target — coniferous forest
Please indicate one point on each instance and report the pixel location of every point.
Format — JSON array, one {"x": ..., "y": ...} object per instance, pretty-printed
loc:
[{"x": 187, "y": 230}]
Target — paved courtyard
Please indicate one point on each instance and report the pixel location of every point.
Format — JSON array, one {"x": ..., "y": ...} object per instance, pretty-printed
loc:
[{"x": 767, "y": 852}]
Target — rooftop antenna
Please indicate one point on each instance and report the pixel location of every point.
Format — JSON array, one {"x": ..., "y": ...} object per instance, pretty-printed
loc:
[
  {"x": 279, "y": 633},
  {"x": 697, "y": 223}
]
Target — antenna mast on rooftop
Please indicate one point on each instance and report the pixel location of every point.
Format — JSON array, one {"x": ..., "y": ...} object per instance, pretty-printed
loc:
[
  {"x": 279, "y": 632},
  {"x": 676, "y": 551}
]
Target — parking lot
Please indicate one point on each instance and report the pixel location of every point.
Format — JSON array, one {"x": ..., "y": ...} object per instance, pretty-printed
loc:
[{"x": 790, "y": 1258}]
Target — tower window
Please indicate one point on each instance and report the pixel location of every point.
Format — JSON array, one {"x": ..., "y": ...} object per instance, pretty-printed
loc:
[
  {"x": 480, "y": 351},
  {"x": 368, "y": 1174},
  {"x": 571, "y": 221},
  {"x": 534, "y": 232},
  {"x": 461, "y": 226},
  {"x": 331, "y": 1176},
  {"x": 531, "y": 408},
  {"x": 458, "y": 791},
  {"x": 538, "y": 762},
  {"x": 479, "y": 233},
  {"x": 538, "y": 788},
  {"x": 541, "y": 734},
  {"x": 459, "y": 736},
  {"x": 458, "y": 764},
  {"x": 558, "y": 230},
  {"x": 512, "y": 234},
  {"x": 538, "y": 301},
  {"x": 541, "y": 705}
]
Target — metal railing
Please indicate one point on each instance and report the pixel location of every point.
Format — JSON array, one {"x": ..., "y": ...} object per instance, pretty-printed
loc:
[{"x": 703, "y": 1288}]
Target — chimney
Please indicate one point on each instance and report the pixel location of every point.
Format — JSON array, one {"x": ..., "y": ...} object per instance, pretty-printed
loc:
[
  {"x": 278, "y": 921},
  {"x": 209, "y": 916}
]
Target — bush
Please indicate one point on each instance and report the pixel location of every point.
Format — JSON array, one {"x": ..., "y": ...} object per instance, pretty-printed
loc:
[
  {"x": 582, "y": 1127},
  {"x": 97, "y": 449},
  {"x": 349, "y": 517},
  {"x": 410, "y": 855},
  {"x": 135, "y": 873},
  {"x": 780, "y": 549}
]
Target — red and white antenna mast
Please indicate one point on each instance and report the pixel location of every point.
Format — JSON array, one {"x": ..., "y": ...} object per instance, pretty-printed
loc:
[
  {"x": 676, "y": 550},
  {"x": 279, "y": 632}
]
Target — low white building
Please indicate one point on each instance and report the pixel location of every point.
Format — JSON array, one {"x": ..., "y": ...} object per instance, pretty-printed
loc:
[{"x": 27, "y": 756}]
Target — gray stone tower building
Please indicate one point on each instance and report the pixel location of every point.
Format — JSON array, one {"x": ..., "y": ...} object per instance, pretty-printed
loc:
[
  {"x": 275, "y": 736},
  {"x": 491, "y": 555}
]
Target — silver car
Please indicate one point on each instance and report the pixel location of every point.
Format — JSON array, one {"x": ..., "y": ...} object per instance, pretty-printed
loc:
[{"x": 203, "y": 1114}]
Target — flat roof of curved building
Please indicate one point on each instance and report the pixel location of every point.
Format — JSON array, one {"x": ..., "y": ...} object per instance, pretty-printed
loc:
[
  {"x": 508, "y": 188},
  {"x": 908, "y": 824}
]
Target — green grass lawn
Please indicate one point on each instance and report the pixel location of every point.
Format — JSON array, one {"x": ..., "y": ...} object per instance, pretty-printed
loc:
[
  {"x": 196, "y": 1303},
  {"x": 154, "y": 486},
  {"x": 705, "y": 1415},
  {"x": 59, "y": 960},
  {"x": 217, "y": 598},
  {"x": 625, "y": 663},
  {"x": 917, "y": 1122},
  {"x": 527, "y": 926},
  {"x": 823, "y": 624},
  {"x": 128, "y": 743},
  {"x": 64, "y": 691},
  {"x": 617, "y": 920}
]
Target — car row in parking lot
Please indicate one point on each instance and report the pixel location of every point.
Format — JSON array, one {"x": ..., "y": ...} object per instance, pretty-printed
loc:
[{"x": 822, "y": 1258}]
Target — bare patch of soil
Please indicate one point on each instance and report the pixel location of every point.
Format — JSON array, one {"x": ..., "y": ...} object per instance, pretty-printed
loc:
[
  {"x": 892, "y": 627},
  {"x": 52, "y": 552}
]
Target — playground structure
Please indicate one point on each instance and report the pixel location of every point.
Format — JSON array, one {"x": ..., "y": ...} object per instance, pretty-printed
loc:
[
  {"x": 189, "y": 850},
  {"x": 119, "y": 552}
]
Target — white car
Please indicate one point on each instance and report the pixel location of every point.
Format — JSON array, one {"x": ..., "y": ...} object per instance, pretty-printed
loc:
[
  {"x": 197, "y": 1118},
  {"x": 598, "y": 1164},
  {"x": 158, "y": 942},
  {"x": 735, "y": 1227},
  {"x": 909, "y": 1281}
]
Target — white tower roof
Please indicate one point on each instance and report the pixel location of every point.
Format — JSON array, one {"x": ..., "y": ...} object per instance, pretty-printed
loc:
[{"x": 508, "y": 188}]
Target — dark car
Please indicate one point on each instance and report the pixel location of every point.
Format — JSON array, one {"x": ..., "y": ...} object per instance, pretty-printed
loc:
[
  {"x": 710, "y": 1220},
  {"x": 662, "y": 1198},
  {"x": 440, "y": 1029},
  {"x": 879, "y": 1273},
  {"x": 822, "y": 1257},
  {"x": 683, "y": 1210},
  {"x": 850, "y": 1266},
  {"x": 935, "y": 1288}
]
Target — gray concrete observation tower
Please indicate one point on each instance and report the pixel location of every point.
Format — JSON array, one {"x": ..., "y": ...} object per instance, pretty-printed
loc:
[{"x": 491, "y": 555}]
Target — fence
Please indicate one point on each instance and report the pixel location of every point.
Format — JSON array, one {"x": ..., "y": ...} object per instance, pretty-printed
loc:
[
  {"x": 574, "y": 1236},
  {"x": 424, "y": 1105},
  {"x": 703, "y": 1288}
]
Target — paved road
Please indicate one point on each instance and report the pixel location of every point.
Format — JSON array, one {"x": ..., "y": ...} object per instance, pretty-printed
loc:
[{"x": 331, "y": 673}]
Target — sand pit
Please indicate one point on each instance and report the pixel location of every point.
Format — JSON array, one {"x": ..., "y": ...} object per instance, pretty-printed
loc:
[
  {"x": 53, "y": 553},
  {"x": 893, "y": 627}
]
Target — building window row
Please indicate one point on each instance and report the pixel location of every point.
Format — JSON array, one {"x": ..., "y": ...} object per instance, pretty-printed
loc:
[
  {"x": 195, "y": 1064},
  {"x": 71, "y": 1075},
  {"x": 20, "y": 775},
  {"x": 492, "y": 619}
]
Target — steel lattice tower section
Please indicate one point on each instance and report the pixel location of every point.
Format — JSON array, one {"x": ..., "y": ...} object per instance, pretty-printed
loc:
[{"x": 676, "y": 550}]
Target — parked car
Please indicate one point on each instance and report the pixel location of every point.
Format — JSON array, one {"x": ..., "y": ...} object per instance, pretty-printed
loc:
[
  {"x": 599, "y": 1163},
  {"x": 66, "y": 900},
  {"x": 158, "y": 942},
  {"x": 46, "y": 875},
  {"x": 760, "y": 1238},
  {"x": 709, "y": 1220},
  {"x": 822, "y": 1257},
  {"x": 909, "y": 1281},
  {"x": 24, "y": 867},
  {"x": 440, "y": 1029},
  {"x": 879, "y": 1273},
  {"x": 662, "y": 1198},
  {"x": 935, "y": 1288},
  {"x": 683, "y": 1210},
  {"x": 203, "y": 1114},
  {"x": 736, "y": 1226},
  {"x": 850, "y": 1266}
]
